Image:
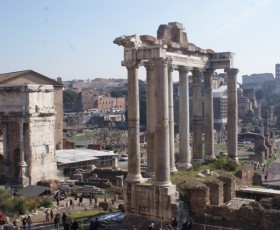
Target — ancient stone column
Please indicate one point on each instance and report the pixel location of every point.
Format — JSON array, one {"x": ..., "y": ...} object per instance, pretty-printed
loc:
[
  {"x": 23, "y": 177},
  {"x": 150, "y": 105},
  {"x": 134, "y": 172},
  {"x": 209, "y": 153},
  {"x": 184, "y": 122},
  {"x": 162, "y": 156},
  {"x": 198, "y": 156},
  {"x": 232, "y": 113},
  {"x": 171, "y": 120}
]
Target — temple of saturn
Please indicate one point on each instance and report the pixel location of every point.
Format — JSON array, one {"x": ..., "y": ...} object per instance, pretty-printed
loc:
[{"x": 161, "y": 56}]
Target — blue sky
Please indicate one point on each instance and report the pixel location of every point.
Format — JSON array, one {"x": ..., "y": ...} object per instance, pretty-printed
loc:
[{"x": 74, "y": 39}]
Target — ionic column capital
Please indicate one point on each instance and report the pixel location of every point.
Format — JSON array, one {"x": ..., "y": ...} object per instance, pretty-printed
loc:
[
  {"x": 232, "y": 71},
  {"x": 150, "y": 66},
  {"x": 208, "y": 72},
  {"x": 133, "y": 64},
  {"x": 184, "y": 69},
  {"x": 196, "y": 71},
  {"x": 161, "y": 61}
]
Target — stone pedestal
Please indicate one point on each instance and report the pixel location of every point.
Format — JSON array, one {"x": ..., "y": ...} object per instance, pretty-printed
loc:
[{"x": 153, "y": 202}]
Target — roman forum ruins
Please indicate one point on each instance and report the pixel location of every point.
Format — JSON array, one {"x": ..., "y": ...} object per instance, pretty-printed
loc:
[
  {"x": 28, "y": 128},
  {"x": 169, "y": 52}
]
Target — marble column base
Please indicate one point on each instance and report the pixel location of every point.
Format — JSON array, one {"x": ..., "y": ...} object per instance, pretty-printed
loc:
[
  {"x": 173, "y": 170},
  {"x": 209, "y": 157},
  {"x": 162, "y": 184},
  {"x": 198, "y": 161},
  {"x": 235, "y": 158},
  {"x": 149, "y": 174},
  {"x": 183, "y": 166},
  {"x": 134, "y": 178}
]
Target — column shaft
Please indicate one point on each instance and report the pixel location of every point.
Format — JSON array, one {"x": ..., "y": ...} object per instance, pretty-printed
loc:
[
  {"x": 162, "y": 156},
  {"x": 232, "y": 113},
  {"x": 150, "y": 105},
  {"x": 171, "y": 120},
  {"x": 197, "y": 117},
  {"x": 184, "y": 122},
  {"x": 208, "y": 116},
  {"x": 134, "y": 174}
]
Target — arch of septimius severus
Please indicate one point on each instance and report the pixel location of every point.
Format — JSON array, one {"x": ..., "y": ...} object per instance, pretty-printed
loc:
[{"x": 170, "y": 52}]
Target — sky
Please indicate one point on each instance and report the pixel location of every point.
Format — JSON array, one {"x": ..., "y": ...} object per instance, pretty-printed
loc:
[{"x": 74, "y": 39}]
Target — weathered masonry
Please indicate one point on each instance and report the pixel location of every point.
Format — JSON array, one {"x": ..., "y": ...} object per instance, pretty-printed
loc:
[
  {"x": 27, "y": 122},
  {"x": 169, "y": 52}
]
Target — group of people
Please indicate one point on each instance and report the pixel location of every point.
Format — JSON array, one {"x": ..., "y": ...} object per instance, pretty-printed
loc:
[
  {"x": 67, "y": 224},
  {"x": 26, "y": 222}
]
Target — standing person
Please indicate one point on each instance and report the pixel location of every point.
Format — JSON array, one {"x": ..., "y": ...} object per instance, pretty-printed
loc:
[
  {"x": 63, "y": 218},
  {"x": 74, "y": 225},
  {"x": 266, "y": 175},
  {"x": 174, "y": 223},
  {"x": 28, "y": 220},
  {"x": 71, "y": 203},
  {"x": 80, "y": 200},
  {"x": 47, "y": 215},
  {"x": 24, "y": 223},
  {"x": 56, "y": 221},
  {"x": 51, "y": 215},
  {"x": 90, "y": 200}
]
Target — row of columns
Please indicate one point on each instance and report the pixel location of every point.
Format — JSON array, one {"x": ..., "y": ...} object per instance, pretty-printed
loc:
[{"x": 160, "y": 119}]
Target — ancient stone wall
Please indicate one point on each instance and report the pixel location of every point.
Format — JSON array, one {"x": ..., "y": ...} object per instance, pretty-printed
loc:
[
  {"x": 246, "y": 174},
  {"x": 216, "y": 192},
  {"x": 199, "y": 198},
  {"x": 247, "y": 217},
  {"x": 108, "y": 174},
  {"x": 229, "y": 186}
]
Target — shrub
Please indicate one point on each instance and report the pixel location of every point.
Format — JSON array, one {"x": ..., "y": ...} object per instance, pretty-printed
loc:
[{"x": 225, "y": 163}]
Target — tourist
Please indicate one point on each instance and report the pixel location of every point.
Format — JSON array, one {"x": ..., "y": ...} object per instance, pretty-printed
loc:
[
  {"x": 189, "y": 225},
  {"x": 71, "y": 203},
  {"x": 28, "y": 220},
  {"x": 47, "y": 215},
  {"x": 80, "y": 200},
  {"x": 63, "y": 218},
  {"x": 94, "y": 224},
  {"x": 74, "y": 225},
  {"x": 24, "y": 223},
  {"x": 174, "y": 223},
  {"x": 66, "y": 226},
  {"x": 90, "y": 201},
  {"x": 266, "y": 175},
  {"x": 51, "y": 215},
  {"x": 56, "y": 221}
]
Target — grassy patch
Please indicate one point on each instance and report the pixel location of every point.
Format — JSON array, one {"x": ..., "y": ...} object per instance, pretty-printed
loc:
[
  {"x": 86, "y": 135},
  {"x": 83, "y": 214}
]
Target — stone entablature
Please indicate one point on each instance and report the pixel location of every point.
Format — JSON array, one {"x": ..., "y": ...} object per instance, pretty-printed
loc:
[
  {"x": 28, "y": 127},
  {"x": 31, "y": 77}
]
